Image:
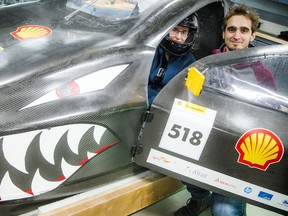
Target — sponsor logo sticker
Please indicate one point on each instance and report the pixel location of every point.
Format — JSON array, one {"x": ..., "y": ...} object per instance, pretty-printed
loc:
[
  {"x": 248, "y": 190},
  {"x": 31, "y": 32},
  {"x": 285, "y": 202},
  {"x": 258, "y": 148},
  {"x": 265, "y": 195},
  {"x": 224, "y": 183}
]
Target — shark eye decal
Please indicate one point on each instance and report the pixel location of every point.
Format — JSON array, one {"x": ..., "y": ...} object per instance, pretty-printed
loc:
[{"x": 92, "y": 82}]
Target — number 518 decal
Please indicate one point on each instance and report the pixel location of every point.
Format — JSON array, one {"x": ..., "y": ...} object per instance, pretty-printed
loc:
[
  {"x": 184, "y": 133},
  {"x": 187, "y": 129}
]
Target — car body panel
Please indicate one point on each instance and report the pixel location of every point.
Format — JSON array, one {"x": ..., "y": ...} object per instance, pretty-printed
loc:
[
  {"x": 232, "y": 138},
  {"x": 73, "y": 88}
]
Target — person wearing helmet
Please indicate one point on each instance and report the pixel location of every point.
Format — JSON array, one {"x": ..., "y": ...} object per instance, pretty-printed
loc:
[{"x": 172, "y": 55}]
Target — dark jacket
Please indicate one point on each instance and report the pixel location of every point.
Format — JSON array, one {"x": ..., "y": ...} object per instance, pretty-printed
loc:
[{"x": 170, "y": 69}]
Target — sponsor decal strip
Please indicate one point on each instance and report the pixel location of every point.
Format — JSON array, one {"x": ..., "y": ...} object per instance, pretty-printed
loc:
[{"x": 218, "y": 180}]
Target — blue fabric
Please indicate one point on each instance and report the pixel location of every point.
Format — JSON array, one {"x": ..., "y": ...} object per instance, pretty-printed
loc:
[
  {"x": 220, "y": 204},
  {"x": 225, "y": 206},
  {"x": 196, "y": 192},
  {"x": 174, "y": 66}
]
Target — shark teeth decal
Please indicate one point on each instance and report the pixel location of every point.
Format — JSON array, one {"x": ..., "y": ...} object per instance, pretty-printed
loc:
[
  {"x": 75, "y": 132},
  {"x": 68, "y": 169},
  {"x": 9, "y": 191},
  {"x": 38, "y": 161},
  {"x": 41, "y": 185},
  {"x": 14, "y": 152}
]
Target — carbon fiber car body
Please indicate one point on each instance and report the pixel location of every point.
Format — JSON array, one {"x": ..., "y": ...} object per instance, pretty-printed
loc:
[
  {"x": 244, "y": 154},
  {"x": 73, "y": 87}
]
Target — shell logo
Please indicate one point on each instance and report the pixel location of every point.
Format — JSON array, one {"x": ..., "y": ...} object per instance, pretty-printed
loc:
[
  {"x": 30, "y": 32},
  {"x": 258, "y": 148}
]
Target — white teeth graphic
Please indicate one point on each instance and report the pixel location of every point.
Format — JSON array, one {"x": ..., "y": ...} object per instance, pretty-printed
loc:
[
  {"x": 9, "y": 191},
  {"x": 15, "y": 148},
  {"x": 48, "y": 141},
  {"x": 68, "y": 169},
  {"x": 41, "y": 185},
  {"x": 49, "y": 138},
  {"x": 98, "y": 133},
  {"x": 75, "y": 133},
  {"x": 90, "y": 155}
]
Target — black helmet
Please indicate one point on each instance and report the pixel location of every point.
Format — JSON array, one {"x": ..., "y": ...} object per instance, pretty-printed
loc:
[{"x": 179, "y": 49}]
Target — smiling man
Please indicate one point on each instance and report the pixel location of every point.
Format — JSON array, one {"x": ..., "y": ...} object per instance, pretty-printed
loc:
[{"x": 239, "y": 29}]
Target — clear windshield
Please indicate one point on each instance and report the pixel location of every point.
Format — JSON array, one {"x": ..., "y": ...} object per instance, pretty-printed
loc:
[
  {"x": 111, "y": 9},
  {"x": 108, "y": 9},
  {"x": 11, "y": 2}
]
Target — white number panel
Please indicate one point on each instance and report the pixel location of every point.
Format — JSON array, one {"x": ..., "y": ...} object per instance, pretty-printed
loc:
[{"x": 187, "y": 129}]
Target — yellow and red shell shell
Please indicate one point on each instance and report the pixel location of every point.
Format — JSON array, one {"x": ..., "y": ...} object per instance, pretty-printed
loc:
[
  {"x": 259, "y": 148},
  {"x": 31, "y": 31}
]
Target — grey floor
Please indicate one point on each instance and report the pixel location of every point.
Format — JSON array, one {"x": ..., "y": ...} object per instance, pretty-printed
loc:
[{"x": 168, "y": 206}]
